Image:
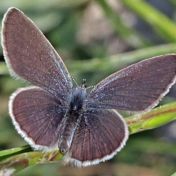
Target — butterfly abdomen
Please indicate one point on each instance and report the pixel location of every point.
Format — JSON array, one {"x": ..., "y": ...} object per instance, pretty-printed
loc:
[
  {"x": 71, "y": 123},
  {"x": 72, "y": 119}
]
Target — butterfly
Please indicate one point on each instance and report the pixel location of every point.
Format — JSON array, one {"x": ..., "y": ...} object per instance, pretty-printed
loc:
[{"x": 55, "y": 114}]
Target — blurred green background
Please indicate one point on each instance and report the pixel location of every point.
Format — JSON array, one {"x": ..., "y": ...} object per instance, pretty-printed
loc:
[{"x": 96, "y": 38}]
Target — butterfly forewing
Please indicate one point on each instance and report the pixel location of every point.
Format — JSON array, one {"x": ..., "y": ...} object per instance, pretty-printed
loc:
[
  {"x": 37, "y": 116},
  {"x": 99, "y": 136},
  {"x": 30, "y": 56},
  {"x": 136, "y": 87}
]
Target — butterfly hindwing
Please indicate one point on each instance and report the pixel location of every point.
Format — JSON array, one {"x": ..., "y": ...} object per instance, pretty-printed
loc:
[
  {"x": 99, "y": 136},
  {"x": 37, "y": 116}
]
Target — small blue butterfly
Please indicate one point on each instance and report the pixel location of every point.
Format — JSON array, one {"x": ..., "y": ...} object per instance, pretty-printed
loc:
[{"x": 55, "y": 114}]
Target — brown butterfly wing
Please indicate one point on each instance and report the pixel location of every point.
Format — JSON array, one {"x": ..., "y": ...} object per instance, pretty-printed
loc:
[
  {"x": 137, "y": 87},
  {"x": 30, "y": 56}
]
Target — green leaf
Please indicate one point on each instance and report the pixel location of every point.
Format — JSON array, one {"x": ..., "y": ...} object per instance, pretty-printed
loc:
[{"x": 153, "y": 119}]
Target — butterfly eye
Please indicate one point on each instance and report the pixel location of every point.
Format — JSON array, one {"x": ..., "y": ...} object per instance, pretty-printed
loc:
[{"x": 62, "y": 150}]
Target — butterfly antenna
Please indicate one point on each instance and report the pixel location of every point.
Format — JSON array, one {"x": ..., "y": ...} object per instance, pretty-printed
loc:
[
  {"x": 90, "y": 87},
  {"x": 74, "y": 81},
  {"x": 84, "y": 83}
]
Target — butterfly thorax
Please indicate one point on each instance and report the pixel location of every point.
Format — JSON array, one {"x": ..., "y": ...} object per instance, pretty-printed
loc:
[
  {"x": 77, "y": 100},
  {"x": 72, "y": 118}
]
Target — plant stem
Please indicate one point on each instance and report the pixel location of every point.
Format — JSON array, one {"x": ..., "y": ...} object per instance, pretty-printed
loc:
[
  {"x": 98, "y": 68},
  {"x": 165, "y": 27},
  {"x": 153, "y": 119}
]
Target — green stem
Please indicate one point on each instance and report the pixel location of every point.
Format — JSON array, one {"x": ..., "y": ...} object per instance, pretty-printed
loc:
[
  {"x": 14, "y": 151},
  {"x": 28, "y": 159},
  {"x": 161, "y": 23},
  {"x": 98, "y": 68},
  {"x": 153, "y": 119}
]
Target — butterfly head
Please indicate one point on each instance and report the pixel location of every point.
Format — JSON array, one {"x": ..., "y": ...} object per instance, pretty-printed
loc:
[{"x": 84, "y": 83}]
